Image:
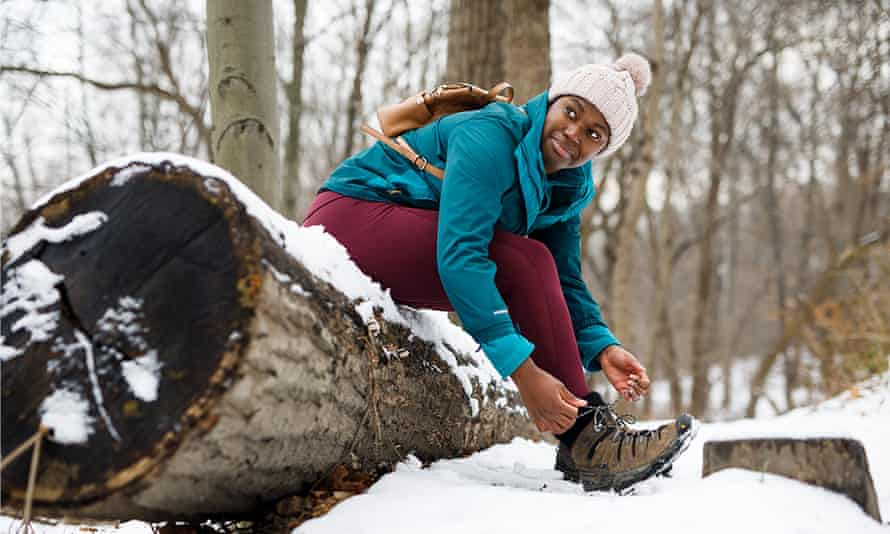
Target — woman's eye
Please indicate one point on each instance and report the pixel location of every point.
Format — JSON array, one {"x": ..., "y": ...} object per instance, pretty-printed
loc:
[
  {"x": 595, "y": 135},
  {"x": 570, "y": 112}
]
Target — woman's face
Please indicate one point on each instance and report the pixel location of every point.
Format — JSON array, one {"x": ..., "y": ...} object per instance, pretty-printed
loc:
[{"x": 574, "y": 132}]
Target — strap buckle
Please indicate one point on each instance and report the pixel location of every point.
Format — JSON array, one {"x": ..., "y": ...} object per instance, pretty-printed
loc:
[{"x": 423, "y": 162}]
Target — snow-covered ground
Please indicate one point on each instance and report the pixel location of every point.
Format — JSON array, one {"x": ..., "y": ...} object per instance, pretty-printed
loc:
[{"x": 512, "y": 488}]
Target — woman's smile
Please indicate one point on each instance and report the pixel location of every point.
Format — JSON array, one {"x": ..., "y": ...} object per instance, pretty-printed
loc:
[{"x": 562, "y": 149}]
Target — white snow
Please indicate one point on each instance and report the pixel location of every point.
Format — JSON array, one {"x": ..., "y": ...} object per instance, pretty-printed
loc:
[
  {"x": 124, "y": 176},
  {"x": 38, "y": 232},
  {"x": 67, "y": 414},
  {"x": 29, "y": 288},
  {"x": 285, "y": 279},
  {"x": 142, "y": 373},
  {"x": 328, "y": 259},
  {"x": 124, "y": 320},
  {"x": 143, "y": 376}
]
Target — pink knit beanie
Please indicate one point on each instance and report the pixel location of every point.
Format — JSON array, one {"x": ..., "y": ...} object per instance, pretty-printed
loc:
[{"x": 613, "y": 89}]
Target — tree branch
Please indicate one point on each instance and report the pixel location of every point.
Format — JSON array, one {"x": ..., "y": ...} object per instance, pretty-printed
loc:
[
  {"x": 686, "y": 244},
  {"x": 151, "y": 89}
]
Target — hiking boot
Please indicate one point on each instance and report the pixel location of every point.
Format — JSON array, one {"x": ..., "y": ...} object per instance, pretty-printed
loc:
[{"x": 605, "y": 453}]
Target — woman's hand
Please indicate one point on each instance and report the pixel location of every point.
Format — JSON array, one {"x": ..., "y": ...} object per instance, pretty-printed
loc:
[
  {"x": 550, "y": 404},
  {"x": 626, "y": 374}
]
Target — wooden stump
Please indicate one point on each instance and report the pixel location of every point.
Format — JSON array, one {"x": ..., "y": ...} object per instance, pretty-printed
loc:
[
  {"x": 215, "y": 371},
  {"x": 832, "y": 463}
]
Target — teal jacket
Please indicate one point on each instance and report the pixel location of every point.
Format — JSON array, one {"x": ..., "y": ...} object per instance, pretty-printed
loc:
[{"x": 494, "y": 178}]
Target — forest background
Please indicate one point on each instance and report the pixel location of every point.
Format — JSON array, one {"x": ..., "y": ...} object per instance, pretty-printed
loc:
[{"x": 741, "y": 237}]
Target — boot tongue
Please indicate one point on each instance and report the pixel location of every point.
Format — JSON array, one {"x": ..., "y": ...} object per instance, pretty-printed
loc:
[{"x": 611, "y": 418}]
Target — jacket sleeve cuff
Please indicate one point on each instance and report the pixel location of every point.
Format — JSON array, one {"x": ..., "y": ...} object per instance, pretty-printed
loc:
[
  {"x": 591, "y": 343},
  {"x": 508, "y": 352}
]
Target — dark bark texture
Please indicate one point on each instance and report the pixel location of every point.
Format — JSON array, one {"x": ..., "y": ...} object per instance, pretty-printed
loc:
[{"x": 269, "y": 377}]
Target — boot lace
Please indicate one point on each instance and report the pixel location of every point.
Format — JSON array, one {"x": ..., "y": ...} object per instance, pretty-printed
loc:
[{"x": 605, "y": 417}]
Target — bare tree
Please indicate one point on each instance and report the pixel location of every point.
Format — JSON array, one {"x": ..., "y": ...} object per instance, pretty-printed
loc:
[
  {"x": 243, "y": 93},
  {"x": 727, "y": 73},
  {"x": 293, "y": 91},
  {"x": 362, "y": 50},
  {"x": 622, "y": 296},
  {"x": 661, "y": 345}
]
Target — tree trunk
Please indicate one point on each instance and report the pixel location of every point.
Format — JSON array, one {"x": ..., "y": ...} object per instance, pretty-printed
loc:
[
  {"x": 777, "y": 243},
  {"x": 354, "y": 106},
  {"x": 294, "y": 92},
  {"x": 622, "y": 291},
  {"x": 475, "y": 42},
  {"x": 491, "y": 42},
  {"x": 243, "y": 93},
  {"x": 203, "y": 368},
  {"x": 526, "y": 46}
]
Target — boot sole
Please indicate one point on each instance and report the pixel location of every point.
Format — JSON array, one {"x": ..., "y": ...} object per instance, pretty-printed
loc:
[{"x": 597, "y": 480}]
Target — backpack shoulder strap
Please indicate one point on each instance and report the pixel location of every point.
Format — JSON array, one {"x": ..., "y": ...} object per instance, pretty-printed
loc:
[{"x": 403, "y": 148}]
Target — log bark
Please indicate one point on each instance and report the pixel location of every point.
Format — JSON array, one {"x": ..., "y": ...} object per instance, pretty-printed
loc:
[{"x": 268, "y": 376}]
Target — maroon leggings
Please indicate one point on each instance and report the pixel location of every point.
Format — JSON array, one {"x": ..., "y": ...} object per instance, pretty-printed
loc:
[{"x": 396, "y": 246}]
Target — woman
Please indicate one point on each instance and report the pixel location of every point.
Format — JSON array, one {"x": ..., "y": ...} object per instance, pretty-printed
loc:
[{"x": 498, "y": 241}]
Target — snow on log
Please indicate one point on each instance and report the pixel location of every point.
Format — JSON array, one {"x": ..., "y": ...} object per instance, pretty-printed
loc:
[{"x": 193, "y": 352}]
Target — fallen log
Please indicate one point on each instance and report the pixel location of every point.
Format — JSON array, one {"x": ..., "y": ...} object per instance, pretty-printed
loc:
[{"x": 194, "y": 353}]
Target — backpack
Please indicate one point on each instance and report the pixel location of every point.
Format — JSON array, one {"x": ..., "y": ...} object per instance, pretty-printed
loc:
[{"x": 426, "y": 107}]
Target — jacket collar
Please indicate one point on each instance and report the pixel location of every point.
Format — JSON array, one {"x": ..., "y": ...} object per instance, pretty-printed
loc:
[{"x": 537, "y": 186}]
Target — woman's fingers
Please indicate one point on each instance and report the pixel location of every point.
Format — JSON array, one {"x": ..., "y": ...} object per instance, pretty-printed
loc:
[
  {"x": 562, "y": 423},
  {"x": 638, "y": 386}
]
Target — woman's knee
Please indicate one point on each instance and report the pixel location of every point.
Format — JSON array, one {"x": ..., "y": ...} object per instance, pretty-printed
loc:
[{"x": 526, "y": 264}]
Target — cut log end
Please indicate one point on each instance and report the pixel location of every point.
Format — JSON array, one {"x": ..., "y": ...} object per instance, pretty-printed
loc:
[
  {"x": 836, "y": 464},
  {"x": 119, "y": 369}
]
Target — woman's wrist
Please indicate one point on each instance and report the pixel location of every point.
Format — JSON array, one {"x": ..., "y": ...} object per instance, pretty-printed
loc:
[
  {"x": 607, "y": 350},
  {"x": 526, "y": 370}
]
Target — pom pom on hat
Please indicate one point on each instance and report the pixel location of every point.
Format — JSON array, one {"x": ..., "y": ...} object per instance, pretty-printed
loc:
[
  {"x": 613, "y": 89},
  {"x": 639, "y": 70}
]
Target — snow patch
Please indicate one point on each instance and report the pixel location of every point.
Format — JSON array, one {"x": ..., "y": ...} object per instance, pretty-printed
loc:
[
  {"x": 142, "y": 373},
  {"x": 143, "y": 376},
  {"x": 38, "y": 232},
  {"x": 327, "y": 259},
  {"x": 284, "y": 279},
  {"x": 66, "y": 413},
  {"x": 212, "y": 186},
  {"x": 30, "y": 288},
  {"x": 122, "y": 177}
]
